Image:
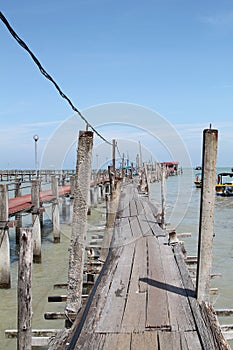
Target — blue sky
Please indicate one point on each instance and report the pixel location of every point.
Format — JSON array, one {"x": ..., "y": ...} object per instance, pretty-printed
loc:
[{"x": 173, "y": 57}]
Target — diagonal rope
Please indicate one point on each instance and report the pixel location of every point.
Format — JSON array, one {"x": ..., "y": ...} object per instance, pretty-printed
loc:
[{"x": 47, "y": 76}]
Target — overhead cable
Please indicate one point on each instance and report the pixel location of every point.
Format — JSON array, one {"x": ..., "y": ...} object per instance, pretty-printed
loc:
[{"x": 43, "y": 71}]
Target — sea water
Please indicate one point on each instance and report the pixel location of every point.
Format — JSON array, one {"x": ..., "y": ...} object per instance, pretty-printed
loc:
[{"x": 182, "y": 213}]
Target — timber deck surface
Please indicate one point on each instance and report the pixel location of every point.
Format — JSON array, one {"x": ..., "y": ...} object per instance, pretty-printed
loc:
[{"x": 145, "y": 298}]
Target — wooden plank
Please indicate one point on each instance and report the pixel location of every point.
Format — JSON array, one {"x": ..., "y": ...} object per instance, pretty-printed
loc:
[
  {"x": 157, "y": 306},
  {"x": 139, "y": 206},
  {"x": 192, "y": 340},
  {"x": 117, "y": 341},
  {"x": 40, "y": 341},
  {"x": 152, "y": 220},
  {"x": 133, "y": 208},
  {"x": 97, "y": 301},
  {"x": 145, "y": 340},
  {"x": 122, "y": 233},
  {"x": 12, "y": 333},
  {"x": 58, "y": 315},
  {"x": 135, "y": 227},
  {"x": 203, "y": 332},
  {"x": 181, "y": 317},
  {"x": 224, "y": 312},
  {"x": 94, "y": 341},
  {"x": 169, "y": 340},
  {"x": 145, "y": 227},
  {"x": 134, "y": 318},
  {"x": 112, "y": 314}
]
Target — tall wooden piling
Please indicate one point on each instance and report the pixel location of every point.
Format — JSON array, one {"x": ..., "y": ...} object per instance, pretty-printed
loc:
[
  {"x": 114, "y": 156},
  {"x": 5, "y": 281},
  {"x": 206, "y": 224},
  {"x": 72, "y": 186},
  {"x": 35, "y": 196},
  {"x": 55, "y": 210},
  {"x": 36, "y": 230},
  {"x": 25, "y": 290},
  {"x": 163, "y": 198},
  {"x": 18, "y": 216},
  {"x": 79, "y": 224},
  {"x": 36, "y": 234}
]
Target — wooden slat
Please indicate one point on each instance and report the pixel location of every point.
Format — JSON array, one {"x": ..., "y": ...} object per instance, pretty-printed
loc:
[
  {"x": 40, "y": 341},
  {"x": 99, "y": 299},
  {"x": 119, "y": 341},
  {"x": 192, "y": 341},
  {"x": 139, "y": 205},
  {"x": 151, "y": 219},
  {"x": 94, "y": 341},
  {"x": 133, "y": 208},
  {"x": 169, "y": 340},
  {"x": 145, "y": 227},
  {"x": 12, "y": 333},
  {"x": 203, "y": 332},
  {"x": 145, "y": 340},
  {"x": 157, "y": 306},
  {"x": 135, "y": 227},
  {"x": 181, "y": 317},
  {"x": 112, "y": 314},
  {"x": 134, "y": 318},
  {"x": 122, "y": 233}
]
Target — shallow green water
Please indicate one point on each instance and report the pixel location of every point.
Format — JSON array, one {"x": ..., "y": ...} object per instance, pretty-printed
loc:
[{"x": 54, "y": 269}]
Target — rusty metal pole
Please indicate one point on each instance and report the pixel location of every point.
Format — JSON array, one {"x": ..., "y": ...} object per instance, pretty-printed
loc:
[{"x": 206, "y": 224}]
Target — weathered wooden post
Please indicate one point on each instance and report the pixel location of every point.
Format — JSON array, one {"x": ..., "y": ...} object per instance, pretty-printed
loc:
[
  {"x": 163, "y": 198},
  {"x": 25, "y": 290},
  {"x": 95, "y": 196},
  {"x": 36, "y": 227},
  {"x": 18, "y": 216},
  {"x": 55, "y": 210},
  {"x": 35, "y": 197},
  {"x": 36, "y": 234},
  {"x": 79, "y": 225},
  {"x": 63, "y": 208},
  {"x": 5, "y": 280},
  {"x": 114, "y": 156},
  {"x": 72, "y": 186},
  {"x": 206, "y": 223},
  {"x": 111, "y": 181},
  {"x": 147, "y": 182}
]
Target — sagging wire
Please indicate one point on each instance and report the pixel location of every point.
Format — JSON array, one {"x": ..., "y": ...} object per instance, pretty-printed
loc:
[{"x": 49, "y": 77}]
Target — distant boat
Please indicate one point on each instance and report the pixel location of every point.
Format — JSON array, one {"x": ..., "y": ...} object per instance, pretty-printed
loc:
[
  {"x": 224, "y": 186},
  {"x": 198, "y": 167},
  {"x": 198, "y": 181}
]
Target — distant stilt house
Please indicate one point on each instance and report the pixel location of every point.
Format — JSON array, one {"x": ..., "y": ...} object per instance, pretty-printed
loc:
[{"x": 172, "y": 168}]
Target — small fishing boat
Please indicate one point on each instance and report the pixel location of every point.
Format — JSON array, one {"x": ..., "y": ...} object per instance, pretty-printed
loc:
[
  {"x": 198, "y": 181},
  {"x": 198, "y": 167},
  {"x": 224, "y": 186}
]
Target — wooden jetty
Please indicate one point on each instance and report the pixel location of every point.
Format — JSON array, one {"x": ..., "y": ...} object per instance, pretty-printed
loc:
[{"x": 144, "y": 297}]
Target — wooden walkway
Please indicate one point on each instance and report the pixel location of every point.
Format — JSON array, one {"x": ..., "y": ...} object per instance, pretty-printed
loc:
[
  {"x": 144, "y": 297},
  {"x": 24, "y": 203}
]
